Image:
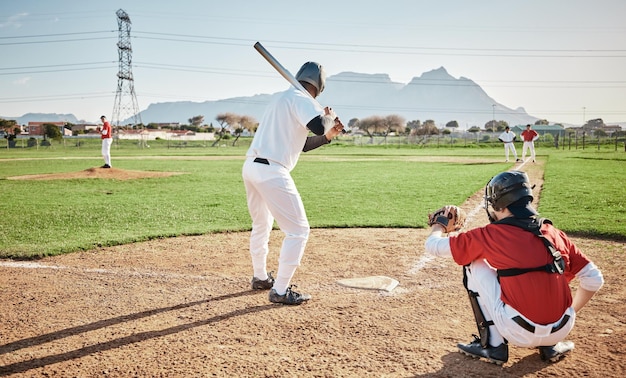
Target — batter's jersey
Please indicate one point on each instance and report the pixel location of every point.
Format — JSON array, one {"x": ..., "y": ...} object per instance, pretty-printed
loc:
[
  {"x": 540, "y": 296},
  {"x": 282, "y": 131}
]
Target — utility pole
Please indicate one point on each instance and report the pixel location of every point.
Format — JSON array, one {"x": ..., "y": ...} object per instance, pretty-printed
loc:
[
  {"x": 125, "y": 105},
  {"x": 493, "y": 117}
]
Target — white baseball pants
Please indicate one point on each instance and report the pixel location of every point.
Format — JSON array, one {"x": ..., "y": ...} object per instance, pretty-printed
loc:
[
  {"x": 272, "y": 195},
  {"x": 106, "y": 150},
  {"x": 527, "y": 146},
  {"x": 483, "y": 279},
  {"x": 509, "y": 146}
]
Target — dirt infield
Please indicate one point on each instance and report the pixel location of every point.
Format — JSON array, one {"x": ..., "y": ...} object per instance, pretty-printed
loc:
[{"x": 182, "y": 307}]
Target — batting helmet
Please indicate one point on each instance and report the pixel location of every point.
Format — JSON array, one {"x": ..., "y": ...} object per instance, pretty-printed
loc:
[
  {"x": 507, "y": 188},
  {"x": 314, "y": 74}
]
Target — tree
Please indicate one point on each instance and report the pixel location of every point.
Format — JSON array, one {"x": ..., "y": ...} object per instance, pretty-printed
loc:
[
  {"x": 225, "y": 120},
  {"x": 11, "y": 131},
  {"x": 494, "y": 126},
  {"x": 377, "y": 125},
  {"x": 196, "y": 121},
  {"x": 542, "y": 122},
  {"x": 245, "y": 123},
  {"x": 371, "y": 126},
  {"x": 393, "y": 123},
  {"x": 52, "y": 131},
  {"x": 593, "y": 124},
  {"x": 452, "y": 124},
  {"x": 353, "y": 124},
  {"x": 237, "y": 123},
  {"x": 600, "y": 133},
  {"x": 428, "y": 128}
]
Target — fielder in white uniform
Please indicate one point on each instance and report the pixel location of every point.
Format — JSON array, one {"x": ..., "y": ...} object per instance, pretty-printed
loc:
[
  {"x": 282, "y": 135},
  {"x": 508, "y": 137}
]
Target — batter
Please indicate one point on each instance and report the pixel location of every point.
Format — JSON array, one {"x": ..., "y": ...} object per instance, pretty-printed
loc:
[{"x": 282, "y": 135}]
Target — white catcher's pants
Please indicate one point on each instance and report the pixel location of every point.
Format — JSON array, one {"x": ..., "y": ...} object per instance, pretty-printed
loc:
[
  {"x": 272, "y": 194},
  {"x": 483, "y": 279}
]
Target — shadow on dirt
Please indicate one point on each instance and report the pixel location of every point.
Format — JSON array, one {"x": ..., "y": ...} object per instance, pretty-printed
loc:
[
  {"x": 20, "y": 367},
  {"x": 458, "y": 365}
]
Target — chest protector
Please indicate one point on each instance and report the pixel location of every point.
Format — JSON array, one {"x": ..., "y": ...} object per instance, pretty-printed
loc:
[{"x": 534, "y": 225}]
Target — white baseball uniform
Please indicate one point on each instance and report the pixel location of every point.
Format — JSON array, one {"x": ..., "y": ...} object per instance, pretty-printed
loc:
[
  {"x": 508, "y": 138},
  {"x": 271, "y": 191}
]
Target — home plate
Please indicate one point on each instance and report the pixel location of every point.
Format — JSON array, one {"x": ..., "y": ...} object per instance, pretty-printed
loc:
[{"x": 372, "y": 282}]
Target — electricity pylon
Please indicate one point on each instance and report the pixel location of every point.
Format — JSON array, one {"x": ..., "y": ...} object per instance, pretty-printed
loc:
[{"x": 125, "y": 105}]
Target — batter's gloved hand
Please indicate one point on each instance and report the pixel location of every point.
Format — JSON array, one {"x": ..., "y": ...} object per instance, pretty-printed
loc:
[{"x": 451, "y": 218}]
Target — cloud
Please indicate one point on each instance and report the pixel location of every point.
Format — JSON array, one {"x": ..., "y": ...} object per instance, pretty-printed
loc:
[
  {"x": 13, "y": 21},
  {"x": 22, "y": 81}
]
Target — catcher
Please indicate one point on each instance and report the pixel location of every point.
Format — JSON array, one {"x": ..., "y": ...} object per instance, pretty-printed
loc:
[{"x": 517, "y": 271}]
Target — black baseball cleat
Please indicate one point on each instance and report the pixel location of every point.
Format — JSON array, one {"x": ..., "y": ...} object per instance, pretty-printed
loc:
[
  {"x": 106, "y": 166},
  {"x": 289, "y": 298},
  {"x": 518, "y": 159},
  {"x": 497, "y": 355},
  {"x": 555, "y": 352},
  {"x": 266, "y": 284}
]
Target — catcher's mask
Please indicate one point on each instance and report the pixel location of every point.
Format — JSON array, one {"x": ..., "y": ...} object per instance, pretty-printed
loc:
[
  {"x": 511, "y": 190},
  {"x": 314, "y": 74}
]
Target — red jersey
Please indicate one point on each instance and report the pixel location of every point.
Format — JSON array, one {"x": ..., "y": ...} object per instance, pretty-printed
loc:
[
  {"x": 540, "y": 296},
  {"x": 529, "y": 135},
  {"x": 106, "y": 130}
]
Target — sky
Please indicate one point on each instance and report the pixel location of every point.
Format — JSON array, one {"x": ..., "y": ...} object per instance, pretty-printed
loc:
[{"x": 561, "y": 60}]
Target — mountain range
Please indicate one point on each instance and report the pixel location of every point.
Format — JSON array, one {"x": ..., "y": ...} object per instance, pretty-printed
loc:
[{"x": 434, "y": 95}]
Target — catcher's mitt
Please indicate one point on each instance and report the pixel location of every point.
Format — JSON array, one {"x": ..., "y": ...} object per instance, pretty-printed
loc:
[{"x": 450, "y": 217}]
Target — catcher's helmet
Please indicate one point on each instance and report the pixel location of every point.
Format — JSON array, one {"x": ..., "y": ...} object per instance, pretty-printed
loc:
[
  {"x": 507, "y": 188},
  {"x": 314, "y": 74}
]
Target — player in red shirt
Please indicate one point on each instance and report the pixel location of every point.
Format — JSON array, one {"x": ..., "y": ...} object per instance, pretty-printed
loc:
[
  {"x": 518, "y": 287},
  {"x": 107, "y": 140},
  {"x": 529, "y": 136}
]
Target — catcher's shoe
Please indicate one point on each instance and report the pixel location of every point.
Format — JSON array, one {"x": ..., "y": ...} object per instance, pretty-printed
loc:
[
  {"x": 497, "y": 355},
  {"x": 289, "y": 298},
  {"x": 555, "y": 352},
  {"x": 266, "y": 284}
]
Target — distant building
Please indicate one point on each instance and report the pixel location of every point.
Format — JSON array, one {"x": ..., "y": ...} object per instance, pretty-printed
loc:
[
  {"x": 36, "y": 128},
  {"x": 554, "y": 130},
  {"x": 84, "y": 128},
  {"x": 152, "y": 134}
]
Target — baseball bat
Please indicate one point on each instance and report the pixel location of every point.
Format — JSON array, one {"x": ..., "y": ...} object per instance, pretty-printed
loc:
[
  {"x": 285, "y": 73},
  {"x": 281, "y": 70}
]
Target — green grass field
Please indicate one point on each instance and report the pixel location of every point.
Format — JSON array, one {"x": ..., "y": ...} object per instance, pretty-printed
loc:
[{"x": 341, "y": 185}]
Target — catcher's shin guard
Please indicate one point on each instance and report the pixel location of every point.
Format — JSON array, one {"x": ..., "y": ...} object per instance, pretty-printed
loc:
[{"x": 481, "y": 322}]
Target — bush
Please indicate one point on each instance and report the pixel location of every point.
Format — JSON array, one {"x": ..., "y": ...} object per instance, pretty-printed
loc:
[{"x": 32, "y": 142}]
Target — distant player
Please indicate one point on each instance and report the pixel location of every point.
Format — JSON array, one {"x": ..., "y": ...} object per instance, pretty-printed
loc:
[
  {"x": 508, "y": 138},
  {"x": 107, "y": 140},
  {"x": 529, "y": 136}
]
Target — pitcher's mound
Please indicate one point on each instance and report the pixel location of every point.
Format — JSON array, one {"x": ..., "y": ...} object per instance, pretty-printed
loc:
[
  {"x": 371, "y": 282},
  {"x": 106, "y": 173}
]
